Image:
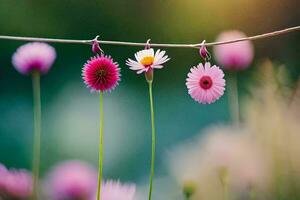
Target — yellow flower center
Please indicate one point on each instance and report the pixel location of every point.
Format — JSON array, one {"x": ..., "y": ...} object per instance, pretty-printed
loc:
[{"x": 147, "y": 61}]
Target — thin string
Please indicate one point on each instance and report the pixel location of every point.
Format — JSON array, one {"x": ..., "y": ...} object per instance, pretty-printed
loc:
[{"x": 122, "y": 43}]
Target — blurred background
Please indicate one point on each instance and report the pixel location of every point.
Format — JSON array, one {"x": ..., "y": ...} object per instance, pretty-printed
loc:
[{"x": 70, "y": 111}]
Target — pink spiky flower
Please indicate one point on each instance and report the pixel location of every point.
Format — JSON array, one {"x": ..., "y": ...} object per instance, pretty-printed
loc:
[
  {"x": 146, "y": 60},
  {"x": 234, "y": 56},
  {"x": 206, "y": 83},
  {"x": 35, "y": 56},
  {"x": 101, "y": 73},
  {"x": 115, "y": 190}
]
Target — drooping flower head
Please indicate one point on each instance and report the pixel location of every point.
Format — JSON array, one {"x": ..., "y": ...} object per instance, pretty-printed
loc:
[
  {"x": 234, "y": 56},
  {"x": 115, "y": 190},
  {"x": 146, "y": 60},
  {"x": 35, "y": 56},
  {"x": 206, "y": 83},
  {"x": 101, "y": 73},
  {"x": 17, "y": 184},
  {"x": 71, "y": 180}
]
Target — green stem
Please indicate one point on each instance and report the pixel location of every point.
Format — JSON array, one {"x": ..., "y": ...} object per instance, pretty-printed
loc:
[
  {"x": 187, "y": 197},
  {"x": 37, "y": 133},
  {"x": 225, "y": 191},
  {"x": 153, "y": 140},
  {"x": 252, "y": 195},
  {"x": 224, "y": 182},
  {"x": 233, "y": 98},
  {"x": 100, "y": 166}
]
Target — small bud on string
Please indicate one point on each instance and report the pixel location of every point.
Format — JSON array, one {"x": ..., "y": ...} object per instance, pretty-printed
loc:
[
  {"x": 204, "y": 52},
  {"x": 96, "y": 46}
]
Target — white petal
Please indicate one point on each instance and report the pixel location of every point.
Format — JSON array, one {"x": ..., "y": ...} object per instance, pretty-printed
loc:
[
  {"x": 134, "y": 65},
  {"x": 158, "y": 55},
  {"x": 144, "y": 53},
  {"x": 137, "y": 56},
  {"x": 150, "y": 52},
  {"x": 142, "y": 70},
  {"x": 161, "y": 61},
  {"x": 157, "y": 66}
]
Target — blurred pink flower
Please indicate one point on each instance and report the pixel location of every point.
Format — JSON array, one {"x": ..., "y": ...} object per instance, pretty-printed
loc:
[
  {"x": 146, "y": 60},
  {"x": 34, "y": 56},
  {"x": 241, "y": 157},
  {"x": 234, "y": 56},
  {"x": 100, "y": 73},
  {"x": 114, "y": 190},
  {"x": 71, "y": 180},
  {"x": 18, "y": 184},
  {"x": 3, "y": 172},
  {"x": 206, "y": 83}
]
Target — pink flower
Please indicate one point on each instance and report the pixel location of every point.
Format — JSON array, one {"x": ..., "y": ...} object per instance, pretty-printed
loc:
[
  {"x": 239, "y": 155},
  {"x": 114, "y": 190},
  {"x": 100, "y": 73},
  {"x": 206, "y": 83},
  {"x": 3, "y": 172},
  {"x": 34, "y": 56},
  {"x": 146, "y": 60},
  {"x": 71, "y": 180},
  {"x": 234, "y": 56},
  {"x": 18, "y": 184}
]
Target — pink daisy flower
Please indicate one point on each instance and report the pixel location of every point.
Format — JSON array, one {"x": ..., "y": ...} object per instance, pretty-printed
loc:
[
  {"x": 114, "y": 190},
  {"x": 101, "y": 73},
  {"x": 146, "y": 60},
  {"x": 206, "y": 83},
  {"x": 234, "y": 56},
  {"x": 71, "y": 180},
  {"x": 34, "y": 56}
]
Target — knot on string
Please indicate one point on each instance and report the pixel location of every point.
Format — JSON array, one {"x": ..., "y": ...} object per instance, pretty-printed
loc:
[{"x": 147, "y": 45}]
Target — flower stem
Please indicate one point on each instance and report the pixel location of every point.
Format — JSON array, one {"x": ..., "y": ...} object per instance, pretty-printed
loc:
[
  {"x": 37, "y": 133},
  {"x": 252, "y": 194},
  {"x": 100, "y": 166},
  {"x": 223, "y": 175},
  {"x": 153, "y": 140},
  {"x": 225, "y": 192},
  {"x": 233, "y": 98}
]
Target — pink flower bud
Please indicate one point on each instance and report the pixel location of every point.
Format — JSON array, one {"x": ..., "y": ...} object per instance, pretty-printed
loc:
[
  {"x": 96, "y": 47},
  {"x": 204, "y": 53}
]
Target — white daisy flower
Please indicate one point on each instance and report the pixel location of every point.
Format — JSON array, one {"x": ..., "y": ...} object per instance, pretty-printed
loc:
[{"x": 146, "y": 59}]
